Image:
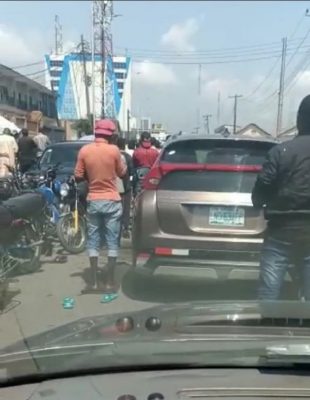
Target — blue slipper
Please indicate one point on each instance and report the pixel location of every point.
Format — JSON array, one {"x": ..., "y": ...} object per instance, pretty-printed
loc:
[{"x": 108, "y": 297}]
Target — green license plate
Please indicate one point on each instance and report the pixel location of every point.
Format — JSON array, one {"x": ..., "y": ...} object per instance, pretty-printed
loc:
[{"x": 226, "y": 216}]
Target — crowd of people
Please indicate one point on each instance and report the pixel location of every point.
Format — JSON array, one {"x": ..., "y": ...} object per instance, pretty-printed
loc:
[{"x": 20, "y": 148}]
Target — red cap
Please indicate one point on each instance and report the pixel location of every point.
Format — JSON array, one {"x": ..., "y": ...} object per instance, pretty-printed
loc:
[{"x": 104, "y": 127}]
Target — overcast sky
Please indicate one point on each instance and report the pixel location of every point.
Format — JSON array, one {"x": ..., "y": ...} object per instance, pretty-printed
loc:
[{"x": 159, "y": 34}]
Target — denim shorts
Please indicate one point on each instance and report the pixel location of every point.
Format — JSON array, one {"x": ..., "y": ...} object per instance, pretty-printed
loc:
[{"x": 103, "y": 222}]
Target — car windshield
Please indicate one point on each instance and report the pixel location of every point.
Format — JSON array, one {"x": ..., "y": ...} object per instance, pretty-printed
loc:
[
  {"x": 154, "y": 187},
  {"x": 64, "y": 155}
]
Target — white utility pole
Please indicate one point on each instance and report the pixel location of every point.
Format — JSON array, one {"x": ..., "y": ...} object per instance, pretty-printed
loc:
[{"x": 281, "y": 87}]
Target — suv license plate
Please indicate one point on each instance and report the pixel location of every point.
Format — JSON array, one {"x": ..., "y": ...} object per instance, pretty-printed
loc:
[{"x": 226, "y": 216}]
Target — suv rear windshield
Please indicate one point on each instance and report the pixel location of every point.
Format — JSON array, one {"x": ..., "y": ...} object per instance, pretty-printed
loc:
[
  {"x": 234, "y": 152},
  {"x": 209, "y": 181}
]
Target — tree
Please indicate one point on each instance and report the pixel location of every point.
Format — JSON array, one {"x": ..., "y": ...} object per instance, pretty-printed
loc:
[{"x": 84, "y": 126}]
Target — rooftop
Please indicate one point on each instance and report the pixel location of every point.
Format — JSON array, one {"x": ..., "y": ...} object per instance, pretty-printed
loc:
[{"x": 9, "y": 72}]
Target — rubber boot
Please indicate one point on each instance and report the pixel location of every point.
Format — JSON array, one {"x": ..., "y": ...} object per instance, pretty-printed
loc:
[
  {"x": 109, "y": 285},
  {"x": 93, "y": 284}
]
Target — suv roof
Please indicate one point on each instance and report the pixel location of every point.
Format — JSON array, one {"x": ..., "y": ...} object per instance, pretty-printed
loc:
[{"x": 179, "y": 138}]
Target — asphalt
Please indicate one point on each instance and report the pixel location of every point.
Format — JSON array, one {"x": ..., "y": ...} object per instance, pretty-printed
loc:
[{"x": 34, "y": 302}]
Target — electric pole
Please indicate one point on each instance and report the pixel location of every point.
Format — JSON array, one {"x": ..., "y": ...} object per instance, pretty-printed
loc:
[
  {"x": 281, "y": 87},
  {"x": 206, "y": 118},
  {"x": 199, "y": 95},
  {"x": 86, "y": 79},
  {"x": 102, "y": 59},
  {"x": 235, "y": 97},
  {"x": 128, "y": 124},
  {"x": 218, "y": 115},
  {"x": 58, "y": 36}
]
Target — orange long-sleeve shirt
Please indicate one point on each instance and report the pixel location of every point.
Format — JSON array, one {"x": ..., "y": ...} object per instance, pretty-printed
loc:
[{"x": 100, "y": 163}]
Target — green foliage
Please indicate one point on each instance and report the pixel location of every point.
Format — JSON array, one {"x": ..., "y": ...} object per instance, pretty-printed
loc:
[{"x": 84, "y": 126}]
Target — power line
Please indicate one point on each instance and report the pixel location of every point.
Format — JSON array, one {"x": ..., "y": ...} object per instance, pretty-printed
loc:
[
  {"x": 28, "y": 65},
  {"x": 297, "y": 26},
  {"x": 153, "y": 51},
  {"x": 268, "y": 75},
  {"x": 36, "y": 72},
  {"x": 270, "y": 72},
  {"x": 197, "y": 62}
]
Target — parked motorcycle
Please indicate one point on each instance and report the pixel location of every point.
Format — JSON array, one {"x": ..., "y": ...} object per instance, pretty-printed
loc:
[
  {"x": 71, "y": 226},
  {"x": 50, "y": 188},
  {"x": 21, "y": 232}
]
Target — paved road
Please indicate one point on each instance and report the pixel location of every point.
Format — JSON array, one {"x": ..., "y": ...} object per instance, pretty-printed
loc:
[{"x": 35, "y": 301}]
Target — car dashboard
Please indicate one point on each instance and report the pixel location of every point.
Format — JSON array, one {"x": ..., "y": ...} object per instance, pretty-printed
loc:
[{"x": 182, "y": 384}]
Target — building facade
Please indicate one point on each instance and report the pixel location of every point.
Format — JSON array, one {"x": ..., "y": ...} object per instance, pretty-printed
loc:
[
  {"x": 24, "y": 101},
  {"x": 66, "y": 77}
]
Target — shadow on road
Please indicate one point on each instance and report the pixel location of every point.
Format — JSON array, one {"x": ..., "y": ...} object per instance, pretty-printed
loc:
[
  {"x": 85, "y": 274},
  {"x": 167, "y": 289},
  {"x": 7, "y": 302}
]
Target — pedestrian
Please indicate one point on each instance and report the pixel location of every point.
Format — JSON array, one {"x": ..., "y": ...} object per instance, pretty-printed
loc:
[
  {"x": 283, "y": 189},
  {"x": 131, "y": 146},
  {"x": 127, "y": 194},
  {"x": 100, "y": 163},
  {"x": 89, "y": 137},
  {"x": 145, "y": 155},
  {"x": 42, "y": 141},
  {"x": 8, "y": 151},
  {"x": 27, "y": 149}
]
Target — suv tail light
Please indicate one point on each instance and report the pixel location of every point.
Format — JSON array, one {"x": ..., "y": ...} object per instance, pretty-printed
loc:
[{"x": 152, "y": 179}]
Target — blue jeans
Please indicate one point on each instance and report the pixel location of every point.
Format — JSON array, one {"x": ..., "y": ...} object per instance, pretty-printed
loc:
[
  {"x": 276, "y": 258},
  {"x": 103, "y": 220}
]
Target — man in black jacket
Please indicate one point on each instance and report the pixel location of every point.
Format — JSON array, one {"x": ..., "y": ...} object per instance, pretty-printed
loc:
[
  {"x": 283, "y": 188},
  {"x": 126, "y": 196}
]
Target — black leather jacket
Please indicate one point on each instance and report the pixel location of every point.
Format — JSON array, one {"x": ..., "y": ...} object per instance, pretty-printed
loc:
[{"x": 283, "y": 186}]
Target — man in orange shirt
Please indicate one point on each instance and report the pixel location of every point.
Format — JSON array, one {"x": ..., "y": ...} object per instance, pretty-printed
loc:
[{"x": 100, "y": 163}]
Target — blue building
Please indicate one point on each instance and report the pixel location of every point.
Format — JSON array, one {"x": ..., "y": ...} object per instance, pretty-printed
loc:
[{"x": 65, "y": 76}]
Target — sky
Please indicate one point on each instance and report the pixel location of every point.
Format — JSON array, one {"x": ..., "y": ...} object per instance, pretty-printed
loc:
[{"x": 188, "y": 56}]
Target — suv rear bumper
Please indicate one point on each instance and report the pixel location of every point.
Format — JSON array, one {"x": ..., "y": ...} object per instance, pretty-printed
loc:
[{"x": 229, "y": 260}]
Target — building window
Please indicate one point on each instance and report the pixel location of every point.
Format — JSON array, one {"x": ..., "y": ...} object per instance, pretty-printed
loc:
[
  {"x": 118, "y": 65},
  {"x": 119, "y": 75},
  {"x": 120, "y": 85},
  {"x": 55, "y": 74},
  {"x": 56, "y": 63}
]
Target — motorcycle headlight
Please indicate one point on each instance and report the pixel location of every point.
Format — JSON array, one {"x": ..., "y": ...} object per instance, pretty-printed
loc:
[{"x": 64, "y": 190}]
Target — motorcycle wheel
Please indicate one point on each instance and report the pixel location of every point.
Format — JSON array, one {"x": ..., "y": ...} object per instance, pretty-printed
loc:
[
  {"x": 71, "y": 242},
  {"x": 27, "y": 259}
]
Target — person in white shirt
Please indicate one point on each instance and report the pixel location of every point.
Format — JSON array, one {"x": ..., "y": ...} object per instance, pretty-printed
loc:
[
  {"x": 88, "y": 137},
  {"x": 8, "y": 151},
  {"x": 42, "y": 141}
]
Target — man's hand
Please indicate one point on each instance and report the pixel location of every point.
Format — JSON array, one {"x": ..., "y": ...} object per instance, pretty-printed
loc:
[{"x": 266, "y": 180}]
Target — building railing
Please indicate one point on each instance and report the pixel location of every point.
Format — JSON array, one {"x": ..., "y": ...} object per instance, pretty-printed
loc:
[{"x": 47, "y": 110}]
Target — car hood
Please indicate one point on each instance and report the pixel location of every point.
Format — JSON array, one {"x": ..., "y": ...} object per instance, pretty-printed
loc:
[{"x": 175, "y": 320}]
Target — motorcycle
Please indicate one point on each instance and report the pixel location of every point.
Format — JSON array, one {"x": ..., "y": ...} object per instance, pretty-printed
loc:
[
  {"x": 49, "y": 186},
  {"x": 71, "y": 226},
  {"x": 21, "y": 232}
]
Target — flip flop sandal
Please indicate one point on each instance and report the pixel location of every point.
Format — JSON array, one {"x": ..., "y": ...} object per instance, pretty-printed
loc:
[
  {"x": 108, "y": 297},
  {"x": 61, "y": 259}
]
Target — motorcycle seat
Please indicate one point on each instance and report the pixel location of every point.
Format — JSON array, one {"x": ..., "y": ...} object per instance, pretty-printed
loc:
[{"x": 25, "y": 206}]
